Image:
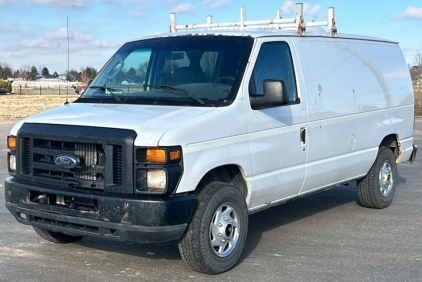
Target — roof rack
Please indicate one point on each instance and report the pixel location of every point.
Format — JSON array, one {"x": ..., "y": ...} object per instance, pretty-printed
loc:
[{"x": 298, "y": 23}]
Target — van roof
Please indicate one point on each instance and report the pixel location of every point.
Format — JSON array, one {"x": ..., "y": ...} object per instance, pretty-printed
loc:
[{"x": 264, "y": 33}]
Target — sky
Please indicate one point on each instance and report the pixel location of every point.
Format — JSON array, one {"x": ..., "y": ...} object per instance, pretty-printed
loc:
[{"x": 33, "y": 32}]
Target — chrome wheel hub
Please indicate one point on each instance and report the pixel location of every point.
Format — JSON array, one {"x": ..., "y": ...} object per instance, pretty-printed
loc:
[
  {"x": 386, "y": 179},
  {"x": 224, "y": 230}
]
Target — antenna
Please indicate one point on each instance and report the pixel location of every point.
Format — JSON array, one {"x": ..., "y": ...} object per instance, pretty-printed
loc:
[{"x": 68, "y": 74}]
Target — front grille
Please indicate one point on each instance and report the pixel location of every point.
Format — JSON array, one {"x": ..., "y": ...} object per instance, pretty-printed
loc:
[
  {"x": 118, "y": 164},
  {"x": 76, "y": 157},
  {"x": 91, "y": 159},
  {"x": 92, "y": 156},
  {"x": 26, "y": 168}
]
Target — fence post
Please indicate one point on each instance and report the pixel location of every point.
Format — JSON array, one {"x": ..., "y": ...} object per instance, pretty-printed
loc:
[
  {"x": 20, "y": 89},
  {"x": 59, "y": 90},
  {"x": 40, "y": 90}
]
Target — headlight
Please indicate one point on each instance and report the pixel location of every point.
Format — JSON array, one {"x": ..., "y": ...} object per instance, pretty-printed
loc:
[
  {"x": 12, "y": 162},
  {"x": 152, "y": 181},
  {"x": 157, "y": 179}
]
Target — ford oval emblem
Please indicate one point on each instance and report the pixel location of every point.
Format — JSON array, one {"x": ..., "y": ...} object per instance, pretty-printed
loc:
[{"x": 66, "y": 162}]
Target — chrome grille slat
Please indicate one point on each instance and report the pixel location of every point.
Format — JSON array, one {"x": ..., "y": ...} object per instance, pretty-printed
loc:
[
  {"x": 89, "y": 153},
  {"x": 44, "y": 152}
]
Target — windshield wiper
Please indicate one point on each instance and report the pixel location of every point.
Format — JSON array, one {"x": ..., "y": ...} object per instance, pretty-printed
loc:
[
  {"x": 117, "y": 98},
  {"x": 168, "y": 87}
]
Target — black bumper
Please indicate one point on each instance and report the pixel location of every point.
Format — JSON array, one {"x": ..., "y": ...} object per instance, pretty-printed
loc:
[
  {"x": 414, "y": 151},
  {"x": 121, "y": 217}
]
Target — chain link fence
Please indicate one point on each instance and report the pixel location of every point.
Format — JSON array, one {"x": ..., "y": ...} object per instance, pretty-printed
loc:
[{"x": 43, "y": 90}]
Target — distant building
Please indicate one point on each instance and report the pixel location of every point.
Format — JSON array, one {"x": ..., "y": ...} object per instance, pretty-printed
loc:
[
  {"x": 42, "y": 77},
  {"x": 64, "y": 77}
]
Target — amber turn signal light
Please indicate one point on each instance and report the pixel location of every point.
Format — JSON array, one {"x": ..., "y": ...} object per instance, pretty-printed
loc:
[
  {"x": 156, "y": 155},
  {"x": 175, "y": 155},
  {"x": 11, "y": 142}
]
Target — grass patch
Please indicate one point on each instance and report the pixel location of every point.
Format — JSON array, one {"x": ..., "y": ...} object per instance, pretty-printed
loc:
[{"x": 19, "y": 107}]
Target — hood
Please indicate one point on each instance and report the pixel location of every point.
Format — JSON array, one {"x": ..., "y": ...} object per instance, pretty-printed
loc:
[{"x": 149, "y": 122}]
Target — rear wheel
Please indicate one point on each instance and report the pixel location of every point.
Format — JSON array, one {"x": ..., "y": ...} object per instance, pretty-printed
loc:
[
  {"x": 56, "y": 237},
  {"x": 217, "y": 232},
  {"x": 377, "y": 188}
]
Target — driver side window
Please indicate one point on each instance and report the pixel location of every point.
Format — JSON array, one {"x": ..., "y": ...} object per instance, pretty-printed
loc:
[{"x": 274, "y": 62}]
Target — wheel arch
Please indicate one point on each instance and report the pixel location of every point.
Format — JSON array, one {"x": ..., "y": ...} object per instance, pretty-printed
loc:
[
  {"x": 230, "y": 173},
  {"x": 392, "y": 141}
]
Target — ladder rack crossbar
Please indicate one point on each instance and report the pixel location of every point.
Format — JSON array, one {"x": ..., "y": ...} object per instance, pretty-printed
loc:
[
  {"x": 277, "y": 23},
  {"x": 237, "y": 24}
]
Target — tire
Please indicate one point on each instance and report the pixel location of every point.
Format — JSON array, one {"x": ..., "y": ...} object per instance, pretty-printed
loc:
[
  {"x": 56, "y": 237},
  {"x": 377, "y": 188},
  {"x": 216, "y": 235}
]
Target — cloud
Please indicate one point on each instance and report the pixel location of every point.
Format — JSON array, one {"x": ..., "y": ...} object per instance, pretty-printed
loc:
[
  {"x": 4, "y": 3},
  {"x": 103, "y": 45},
  {"x": 140, "y": 15},
  {"x": 313, "y": 12},
  {"x": 56, "y": 42},
  {"x": 62, "y": 5},
  {"x": 142, "y": 11},
  {"x": 185, "y": 8},
  {"x": 74, "y": 36},
  {"x": 58, "y": 34},
  {"x": 410, "y": 13},
  {"x": 40, "y": 43},
  {"x": 68, "y": 5},
  {"x": 289, "y": 8},
  {"x": 81, "y": 37},
  {"x": 210, "y": 4},
  {"x": 12, "y": 27}
]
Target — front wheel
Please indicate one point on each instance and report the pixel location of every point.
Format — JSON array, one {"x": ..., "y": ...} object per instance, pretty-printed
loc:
[
  {"x": 217, "y": 233},
  {"x": 56, "y": 237},
  {"x": 377, "y": 188}
]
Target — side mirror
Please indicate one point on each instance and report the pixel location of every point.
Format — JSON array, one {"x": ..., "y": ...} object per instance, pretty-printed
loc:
[
  {"x": 88, "y": 83},
  {"x": 275, "y": 95}
]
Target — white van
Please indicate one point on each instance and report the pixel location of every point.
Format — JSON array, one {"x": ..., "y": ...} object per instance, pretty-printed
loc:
[{"x": 182, "y": 135}]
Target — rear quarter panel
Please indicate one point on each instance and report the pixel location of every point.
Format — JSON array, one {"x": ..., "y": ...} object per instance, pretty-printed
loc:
[{"x": 358, "y": 92}]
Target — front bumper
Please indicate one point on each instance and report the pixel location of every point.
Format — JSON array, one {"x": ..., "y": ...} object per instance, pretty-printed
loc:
[
  {"x": 130, "y": 218},
  {"x": 413, "y": 155}
]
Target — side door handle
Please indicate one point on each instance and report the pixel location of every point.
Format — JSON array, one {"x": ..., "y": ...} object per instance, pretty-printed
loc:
[{"x": 303, "y": 136}]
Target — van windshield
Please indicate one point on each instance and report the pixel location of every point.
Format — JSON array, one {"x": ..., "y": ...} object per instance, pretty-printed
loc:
[{"x": 185, "y": 70}]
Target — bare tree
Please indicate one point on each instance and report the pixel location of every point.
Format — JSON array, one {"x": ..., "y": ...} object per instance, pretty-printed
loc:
[
  {"x": 414, "y": 73},
  {"x": 416, "y": 70},
  {"x": 25, "y": 72},
  {"x": 84, "y": 76}
]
